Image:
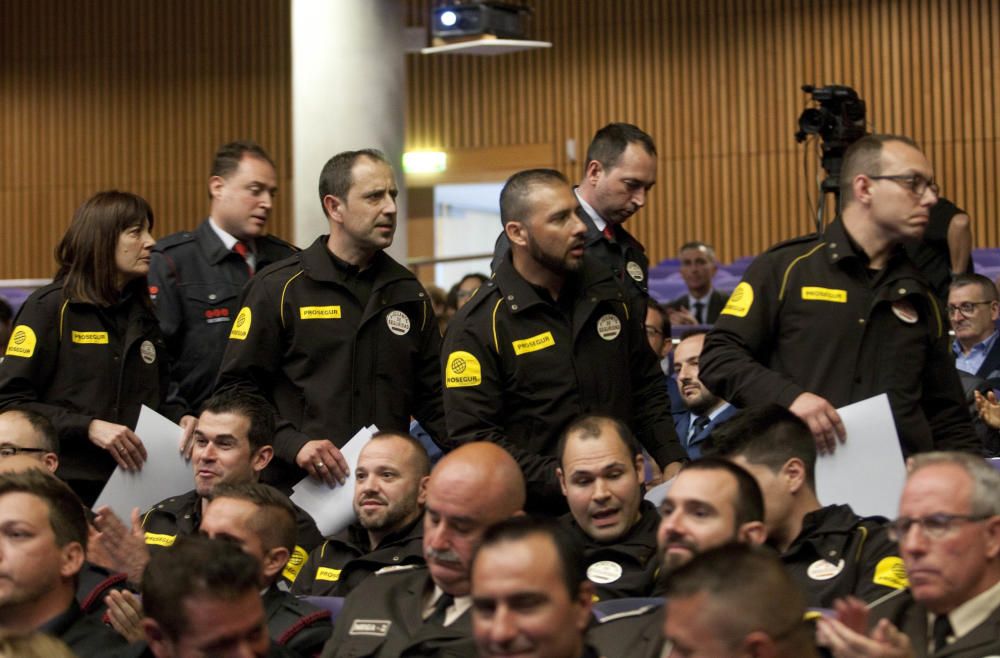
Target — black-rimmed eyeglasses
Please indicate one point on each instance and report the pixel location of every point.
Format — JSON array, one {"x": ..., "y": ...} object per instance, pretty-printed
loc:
[
  {"x": 913, "y": 182},
  {"x": 934, "y": 526}
]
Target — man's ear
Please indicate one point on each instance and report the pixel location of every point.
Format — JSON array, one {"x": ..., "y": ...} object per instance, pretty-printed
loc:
[
  {"x": 752, "y": 532},
  {"x": 640, "y": 467},
  {"x": 793, "y": 473},
  {"x": 215, "y": 185},
  {"x": 261, "y": 458},
  {"x": 333, "y": 206},
  {"x": 274, "y": 561},
  {"x": 593, "y": 172},
  {"x": 562, "y": 480},
  {"x": 422, "y": 491},
  {"x": 72, "y": 560},
  {"x": 992, "y": 530},
  {"x": 585, "y": 600},
  {"x": 759, "y": 644},
  {"x": 861, "y": 187},
  {"x": 516, "y": 232},
  {"x": 51, "y": 461},
  {"x": 156, "y": 638}
]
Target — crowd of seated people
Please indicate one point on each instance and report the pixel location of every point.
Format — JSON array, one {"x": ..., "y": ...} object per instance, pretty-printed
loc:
[{"x": 543, "y": 399}]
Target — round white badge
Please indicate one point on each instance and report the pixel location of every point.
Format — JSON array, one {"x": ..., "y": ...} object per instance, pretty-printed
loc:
[
  {"x": 147, "y": 351},
  {"x": 609, "y": 326},
  {"x": 904, "y": 311},
  {"x": 398, "y": 323},
  {"x": 604, "y": 572},
  {"x": 823, "y": 570},
  {"x": 634, "y": 270}
]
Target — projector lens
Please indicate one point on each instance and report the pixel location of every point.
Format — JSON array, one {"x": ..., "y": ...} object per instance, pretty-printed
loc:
[{"x": 448, "y": 18}]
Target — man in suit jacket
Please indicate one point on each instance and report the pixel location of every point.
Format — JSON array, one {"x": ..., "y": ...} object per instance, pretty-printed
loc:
[
  {"x": 701, "y": 304},
  {"x": 973, "y": 310},
  {"x": 415, "y": 611},
  {"x": 949, "y": 537},
  {"x": 705, "y": 411}
]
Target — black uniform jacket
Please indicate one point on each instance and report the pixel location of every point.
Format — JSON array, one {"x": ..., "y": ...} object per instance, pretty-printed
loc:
[
  {"x": 623, "y": 254},
  {"x": 633, "y": 634},
  {"x": 808, "y": 316},
  {"x": 340, "y": 563},
  {"x": 627, "y": 567},
  {"x": 296, "y": 624},
  {"x": 839, "y": 553},
  {"x": 382, "y": 617},
  {"x": 911, "y": 618},
  {"x": 181, "y": 516},
  {"x": 84, "y": 634},
  {"x": 328, "y": 364},
  {"x": 518, "y": 368},
  {"x": 75, "y": 362},
  {"x": 196, "y": 282}
]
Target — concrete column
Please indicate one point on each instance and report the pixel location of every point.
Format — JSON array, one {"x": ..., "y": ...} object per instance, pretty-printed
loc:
[{"x": 348, "y": 92}]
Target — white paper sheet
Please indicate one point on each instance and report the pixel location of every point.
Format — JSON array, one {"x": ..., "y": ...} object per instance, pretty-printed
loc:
[
  {"x": 867, "y": 471},
  {"x": 333, "y": 509},
  {"x": 164, "y": 474}
]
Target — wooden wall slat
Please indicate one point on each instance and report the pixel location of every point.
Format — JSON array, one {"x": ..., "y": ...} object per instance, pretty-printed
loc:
[{"x": 717, "y": 85}]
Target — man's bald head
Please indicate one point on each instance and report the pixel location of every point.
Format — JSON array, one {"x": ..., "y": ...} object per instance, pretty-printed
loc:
[{"x": 469, "y": 490}]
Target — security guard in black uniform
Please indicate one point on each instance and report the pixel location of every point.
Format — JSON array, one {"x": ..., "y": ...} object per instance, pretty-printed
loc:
[
  {"x": 826, "y": 320},
  {"x": 551, "y": 337},
  {"x": 830, "y": 551},
  {"x": 340, "y": 336},
  {"x": 195, "y": 277},
  {"x": 601, "y": 471},
  {"x": 620, "y": 170}
]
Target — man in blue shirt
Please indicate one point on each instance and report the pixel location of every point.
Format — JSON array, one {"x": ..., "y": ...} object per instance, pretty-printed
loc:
[{"x": 973, "y": 310}]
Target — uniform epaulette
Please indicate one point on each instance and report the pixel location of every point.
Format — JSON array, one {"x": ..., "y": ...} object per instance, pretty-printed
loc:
[
  {"x": 48, "y": 289},
  {"x": 638, "y": 612},
  {"x": 801, "y": 239},
  {"x": 278, "y": 241},
  {"x": 398, "y": 568},
  {"x": 173, "y": 240}
]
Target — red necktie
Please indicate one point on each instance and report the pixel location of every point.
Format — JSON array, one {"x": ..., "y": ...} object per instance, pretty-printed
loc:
[
  {"x": 241, "y": 249},
  {"x": 609, "y": 232}
]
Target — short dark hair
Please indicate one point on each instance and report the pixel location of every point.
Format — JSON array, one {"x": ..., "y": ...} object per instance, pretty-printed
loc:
[
  {"x": 610, "y": 142},
  {"x": 336, "y": 180},
  {"x": 227, "y": 159},
  {"x": 517, "y": 189},
  {"x": 589, "y": 427},
  {"x": 657, "y": 307},
  {"x": 749, "y": 504},
  {"x": 749, "y": 579},
  {"x": 275, "y": 522},
  {"x": 86, "y": 252},
  {"x": 691, "y": 333},
  {"x": 988, "y": 290},
  {"x": 423, "y": 459},
  {"x": 39, "y": 423},
  {"x": 570, "y": 553},
  {"x": 66, "y": 516},
  {"x": 195, "y": 566},
  {"x": 451, "y": 301},
  {"x": 865, "y": 157},
  {"x": 770, "y": 435},
  {"x": 700, "y": 246},
  {"x": 252, "y": 407}
]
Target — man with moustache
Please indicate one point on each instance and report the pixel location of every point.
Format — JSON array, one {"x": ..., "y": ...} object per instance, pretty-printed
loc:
[
  {"x": 424, "y": 611},
  {"x": 601, "y": 472},
  {"x": 389, "y": 494},
  {"x": 821, "y": 321},
  {"x": 195, "y": 277},
  {"x": 705, "y": 411},
  {"x": 552, "y": 336},
  {"x": 711, "y": 502},
  {"x": 339, "y": 336}
]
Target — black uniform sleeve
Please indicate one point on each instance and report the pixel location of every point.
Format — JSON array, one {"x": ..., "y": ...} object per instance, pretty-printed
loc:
[
  {"x": 253, "y": 359},
  {"x": 654, "y": 426},
  {"x": 473, "y": 403},
  {"x": 732, "y": 362},
  {"x": 428, "y": 406},
  {"x": 30, "y": 362},
  {"x": 166, "y": 296},
  {"x": 881, "y": 570},
  {"x": 943, "y": 401}
]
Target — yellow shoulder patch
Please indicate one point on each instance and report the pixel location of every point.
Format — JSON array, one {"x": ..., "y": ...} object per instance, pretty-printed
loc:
[
  {"x": 319, "y": 312},
  {"x": 154, "y": 539},
  {"x": 533, "y": 344},
  {"x": 22, "y": 342},
  {"x": 90, "y": 337},
  {"x": 326, "y": 573},
  {"x": 241, "y": 328},
  {"x": 462, "y": 369},
  {"x": 740, "y": 301},
  {"x": 294, "y": 564},
  {"x": 891, "y": 572},
  {"x": 815, "y": 293}
]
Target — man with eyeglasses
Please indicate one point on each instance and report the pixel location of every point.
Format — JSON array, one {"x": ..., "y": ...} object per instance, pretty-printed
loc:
[
  {"x": 973, "y": 310},
  {"x": 27, "y": 440},
  {"x": 828, "y": 319},
  {"x": 949, "y": 537}
]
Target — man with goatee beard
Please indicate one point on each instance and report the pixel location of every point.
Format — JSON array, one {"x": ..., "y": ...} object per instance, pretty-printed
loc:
[
  {"x": 389, "y": 502},
  {"x": 711, "y": 502}
]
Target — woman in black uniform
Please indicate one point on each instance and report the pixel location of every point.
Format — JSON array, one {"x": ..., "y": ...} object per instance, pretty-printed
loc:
[{"x": 86, "y": 350}]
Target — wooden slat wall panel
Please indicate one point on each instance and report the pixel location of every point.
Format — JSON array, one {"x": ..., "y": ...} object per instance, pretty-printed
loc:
[
  {"x": 716, "y": 82},
  {"x": 133, "y": 94}
]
